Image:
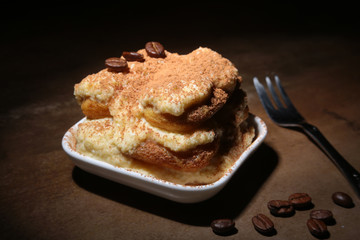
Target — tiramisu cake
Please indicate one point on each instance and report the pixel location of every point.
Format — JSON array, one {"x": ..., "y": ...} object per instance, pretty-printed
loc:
[{"x": 178, "y": 118}]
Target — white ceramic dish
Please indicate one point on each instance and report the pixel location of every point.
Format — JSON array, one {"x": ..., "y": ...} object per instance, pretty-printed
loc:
[{"x": 168, "y": 190}]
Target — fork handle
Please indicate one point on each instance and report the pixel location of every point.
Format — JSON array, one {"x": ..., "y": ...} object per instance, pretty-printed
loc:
[{"x": 352, "y": 175}]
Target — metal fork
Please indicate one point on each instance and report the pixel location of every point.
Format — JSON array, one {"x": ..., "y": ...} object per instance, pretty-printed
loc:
[{"x": 284, "y": 114}]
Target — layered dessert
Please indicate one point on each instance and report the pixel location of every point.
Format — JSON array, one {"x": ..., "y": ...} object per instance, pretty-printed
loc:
[{"x": 177, "y": 118}]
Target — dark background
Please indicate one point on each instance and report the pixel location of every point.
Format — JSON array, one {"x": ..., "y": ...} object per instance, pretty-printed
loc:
[{"x": 39, "y": 41}]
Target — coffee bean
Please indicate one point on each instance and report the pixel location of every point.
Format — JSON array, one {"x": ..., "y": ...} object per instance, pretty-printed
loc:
[
  {"x": 342, "y": 199},
  {"x": 116, "y": 64},
  {"x": 300, "y": 200},
  {"x": 155, "y": 49},
  {"x": 222, "y": 226},
  {"x": 263, "y": 224},
  {"x": 324, "y": 215},
  {"x": 281, "y": 208},
  {"x": 133, "y": 56},
  {"x": 317, "y": 228}
]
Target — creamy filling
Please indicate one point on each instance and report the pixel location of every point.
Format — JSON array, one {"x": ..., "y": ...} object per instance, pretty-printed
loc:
[
  {"x": 101, "y": 146},
  {"x": 127, "y": 139}
]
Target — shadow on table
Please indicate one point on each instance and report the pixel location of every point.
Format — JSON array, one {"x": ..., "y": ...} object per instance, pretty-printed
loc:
[{"x": 228, "y": 203}]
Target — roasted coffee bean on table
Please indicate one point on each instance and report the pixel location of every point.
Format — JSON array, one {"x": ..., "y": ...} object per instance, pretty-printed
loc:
[
  {"x": 223, "y": 226},
  {"x": 281, "y": 208},
  {"x": 300, "y": 200},
  {"x": 317, "y": 228},
  {"x": 155, "y": 49},
  {"x": 116, "y": 64},
  {"x": 324, "y": 215},
  {"x": 263, "y": 224},
  {"x": 133, "y": 56},
  {"x": 342, "y": 199}
]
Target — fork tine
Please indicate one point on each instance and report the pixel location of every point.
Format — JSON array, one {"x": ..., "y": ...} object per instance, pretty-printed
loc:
[
  {"x": 286, "y": 98},
  {"x": 283, "y": 93},
  {"x": 273, "y": 93},
  {"x": 263, "y": 96}
]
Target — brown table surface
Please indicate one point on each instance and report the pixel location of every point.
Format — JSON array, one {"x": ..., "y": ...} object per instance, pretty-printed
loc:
[{"x": 44, "y": 196}]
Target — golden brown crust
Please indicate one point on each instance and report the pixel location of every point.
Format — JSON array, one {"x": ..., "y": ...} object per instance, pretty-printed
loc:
[
  {"x": 192, "y": 118},
  {"x": 205, "y": 112},
  {"x": 192, "y": 160},
  {"x": 94, "y": 110},
  {"x": 168, "y": 122}
]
